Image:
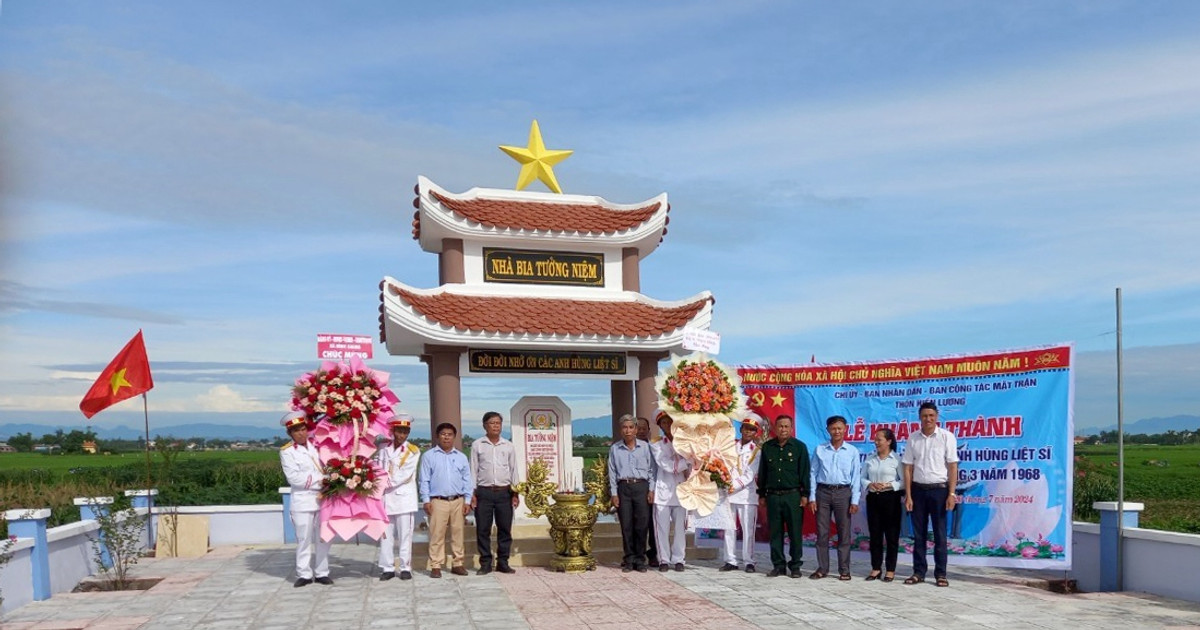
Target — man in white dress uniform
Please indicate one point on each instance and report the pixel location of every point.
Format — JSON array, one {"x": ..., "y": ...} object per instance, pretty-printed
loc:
[
  {"x": 399, "y": 459},
  {"x": 743, "y": 497},
  {"x": 668, "y": 514},
  {"x": 302, "y": 468}
]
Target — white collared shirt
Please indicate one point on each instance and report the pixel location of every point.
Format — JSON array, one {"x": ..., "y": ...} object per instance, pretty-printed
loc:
[{"x": 929, "y": 454}]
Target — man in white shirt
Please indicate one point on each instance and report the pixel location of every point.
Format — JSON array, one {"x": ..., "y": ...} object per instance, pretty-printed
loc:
[
  {"x": 743, "y": 498},
  {"x": 494, "y": 468},
  {"x": 302, "y": 468},
  {"x": 668, "y": 514},
  {"x": 399, "y": 459},
  {"x": 930, "y": 473}
]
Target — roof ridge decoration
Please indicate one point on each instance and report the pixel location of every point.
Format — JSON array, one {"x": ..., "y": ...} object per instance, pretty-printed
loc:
[
  {"x": 537, "y": 162},
  {"x": 496, "y": 214}
]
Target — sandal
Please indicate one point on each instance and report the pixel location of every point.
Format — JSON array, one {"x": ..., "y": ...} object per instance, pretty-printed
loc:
[
  {"x": 943, "y": 582},
  {"x": 872, "y": 576},
  {"x": 816, "y": 575},
  {"x": 914, "y": 579},
  {"x": 891, "y": 575},
  {"x": 845, "y": 577}
]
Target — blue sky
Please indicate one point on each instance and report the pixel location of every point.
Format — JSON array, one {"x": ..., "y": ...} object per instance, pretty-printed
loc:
[{"x": 858, "y": 181}]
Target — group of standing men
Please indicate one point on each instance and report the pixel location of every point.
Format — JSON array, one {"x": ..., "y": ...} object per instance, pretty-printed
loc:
[
  {"x": 781, "y": 476},
  {"x": 443, "y": 481}
]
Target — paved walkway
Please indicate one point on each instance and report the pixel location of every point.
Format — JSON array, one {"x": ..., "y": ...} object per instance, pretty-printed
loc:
[{"x": 249, "y": 587}]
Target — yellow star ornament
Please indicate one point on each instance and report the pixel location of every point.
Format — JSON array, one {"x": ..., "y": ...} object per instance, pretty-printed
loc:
[
  {"x": 778, "y": 399},
  {"x": 537, "y": 162},
  {"x": 118, "y": 380}
]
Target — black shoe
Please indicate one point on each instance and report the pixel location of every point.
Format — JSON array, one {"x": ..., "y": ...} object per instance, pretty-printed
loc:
[
  {"x": 795, "y": 573},
  {"x": 777, "y": 572},
  {"x": 640, "y": 569},
  {"x": 654, "y": 563},
  {"x": 484, "y": 570},
  {"x": 663, "y": 568},
  {"x": 302, "y": 582},
  {"x": 386, "y": 575},
  {"x": 626, "y": 569},
  {"x": 624, "y": 564},
  {"x": 406, "y": 575},
  {"x": 324, "y": 579},
  {"x": 728, "y": 567},
  {"x": 679, "y": 567},
  {"x": 749, "y": 568},
  {"x": 504, "y": 568}
]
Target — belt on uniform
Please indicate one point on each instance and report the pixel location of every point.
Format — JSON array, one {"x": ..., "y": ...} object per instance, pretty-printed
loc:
[
  {"x": 776, "y": 492},
  {"x": 833, "y": 486},
  {"x": 928, "y": 486},
  {"x": 633, "y": 481},
  {"x": 505, "y": 488},
  {"x": 445, "y": 498}
]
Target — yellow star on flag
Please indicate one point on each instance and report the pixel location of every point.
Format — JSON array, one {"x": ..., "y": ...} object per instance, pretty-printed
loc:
[
  {"x": 117, "y": 381},
  {"x": 777, "y": 399},
  {"x": 537, "y": 162}
]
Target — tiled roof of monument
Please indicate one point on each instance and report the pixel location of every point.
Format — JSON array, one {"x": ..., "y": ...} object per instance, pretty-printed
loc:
[
  {"x": 491, "y": 213},
  {"x": 546, "y": 316}
]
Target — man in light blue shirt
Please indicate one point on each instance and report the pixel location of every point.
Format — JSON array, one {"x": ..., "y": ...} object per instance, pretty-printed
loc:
[
  {"x": 835, "y": 486},
  {"x": 631, "y": 475},
  {"x": 445, "y": 486}
]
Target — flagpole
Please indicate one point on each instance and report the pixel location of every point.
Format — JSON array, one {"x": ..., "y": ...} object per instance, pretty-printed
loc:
[{"x": 149, "y": 516}]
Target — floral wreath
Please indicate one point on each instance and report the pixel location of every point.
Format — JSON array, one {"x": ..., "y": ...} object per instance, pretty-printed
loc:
[
  {"x": 696, "y": 385},
  {"x": 349, "y": 407}
]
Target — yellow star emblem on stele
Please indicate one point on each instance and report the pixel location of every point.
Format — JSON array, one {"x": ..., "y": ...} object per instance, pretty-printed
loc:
[
  {"x": 777, "y": 399},
  {"x": 117, "y": 380},
  {"x": 537, "y": 162}
]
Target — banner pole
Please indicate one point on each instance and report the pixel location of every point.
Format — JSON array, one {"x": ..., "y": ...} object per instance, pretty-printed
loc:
[
  {"x": 149, "y": 516},
  {"x": 1120, "y": 454}
]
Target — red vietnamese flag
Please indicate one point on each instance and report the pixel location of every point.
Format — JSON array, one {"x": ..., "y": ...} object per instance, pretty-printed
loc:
[{"x": 125, "y": 377}]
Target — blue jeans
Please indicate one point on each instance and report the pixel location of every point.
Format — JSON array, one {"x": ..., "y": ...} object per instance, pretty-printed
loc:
[{"x": 929, "y": 506}]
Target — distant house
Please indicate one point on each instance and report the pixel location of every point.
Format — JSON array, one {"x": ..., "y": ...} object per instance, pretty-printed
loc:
[
  {"x": 1080, "y": 439},
  {"x": 45, "y": 448},
  {"x": 5, "y": 448},
  {"x": 89, "y": 446}
]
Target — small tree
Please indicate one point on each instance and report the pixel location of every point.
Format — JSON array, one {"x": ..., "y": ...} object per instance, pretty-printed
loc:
[{"x": 121, "y": 529}]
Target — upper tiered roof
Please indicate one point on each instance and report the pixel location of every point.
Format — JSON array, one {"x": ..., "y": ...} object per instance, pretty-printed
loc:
[{"x": 493, "y": 214}]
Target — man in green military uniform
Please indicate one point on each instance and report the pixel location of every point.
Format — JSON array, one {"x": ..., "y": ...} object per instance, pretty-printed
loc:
[{"x": 783, "y": 469}]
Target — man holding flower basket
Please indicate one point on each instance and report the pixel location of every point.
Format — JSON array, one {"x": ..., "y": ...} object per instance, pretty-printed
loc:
[{"x": 305, "y": 475}]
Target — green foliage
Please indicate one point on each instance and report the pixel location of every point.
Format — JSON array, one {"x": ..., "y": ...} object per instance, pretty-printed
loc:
[
  {"x": 120, "y": 534},
  {"x": 1170, "y": 492}
]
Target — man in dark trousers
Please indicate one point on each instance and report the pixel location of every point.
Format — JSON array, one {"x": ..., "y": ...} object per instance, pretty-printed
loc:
[
  {"x": 494, "y": 468},
  {"x": 631, "y": 475},
  {"x": 783, "y": 478}
]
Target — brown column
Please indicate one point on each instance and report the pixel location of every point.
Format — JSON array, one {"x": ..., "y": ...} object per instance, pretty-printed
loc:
[
  {"x": 622, "y": 403},
  {"x": 445, "y": 388},
  {"x": 451, "y": 268},
  {"x": 647, "y": 397},
  {"x": 630, "y": 277}
]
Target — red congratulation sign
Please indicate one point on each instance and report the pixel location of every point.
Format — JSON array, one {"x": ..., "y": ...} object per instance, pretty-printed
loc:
[{"x": 336, "y": 346}]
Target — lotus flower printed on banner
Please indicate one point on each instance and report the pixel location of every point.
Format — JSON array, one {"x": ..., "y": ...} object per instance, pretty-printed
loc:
[
  {"x": 703, "y": 397},
  {"x": 349, "y": 407}
]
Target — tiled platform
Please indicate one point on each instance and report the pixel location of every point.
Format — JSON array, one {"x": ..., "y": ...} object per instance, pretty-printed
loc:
[{"x": 242, "y": 587}]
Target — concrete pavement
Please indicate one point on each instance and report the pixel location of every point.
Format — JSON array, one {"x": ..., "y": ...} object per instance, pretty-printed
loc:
[{"x": 250, "y": 587}]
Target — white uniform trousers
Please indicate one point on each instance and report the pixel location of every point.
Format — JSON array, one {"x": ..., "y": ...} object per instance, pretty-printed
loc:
[
  {"x": 666, "y": 518},
  {"x": 399, "y": 528},
  {"x": 308, "y": 535},
  {"x": 747, "y": 515}
]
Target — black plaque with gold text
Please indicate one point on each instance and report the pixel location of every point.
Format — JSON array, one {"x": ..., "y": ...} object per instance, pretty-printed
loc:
[
  {"x": 546, "y": 362},
  {"x": 529, "y": 266}
]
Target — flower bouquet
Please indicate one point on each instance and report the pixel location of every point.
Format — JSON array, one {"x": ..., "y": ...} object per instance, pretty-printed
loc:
[
  {"x": 359, "y": 475},
  {"x": 350, "y": 406},
  {"x": 702, "y": 396}
]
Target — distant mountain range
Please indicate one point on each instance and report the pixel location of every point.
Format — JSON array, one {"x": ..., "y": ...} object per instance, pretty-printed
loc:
[
  {"x": 1150, "y": 426},
  {"x": 244, "y": 426}
]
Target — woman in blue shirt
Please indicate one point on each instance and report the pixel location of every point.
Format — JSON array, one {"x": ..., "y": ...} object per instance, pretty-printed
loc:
[{"x": 881, "y": 475}]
